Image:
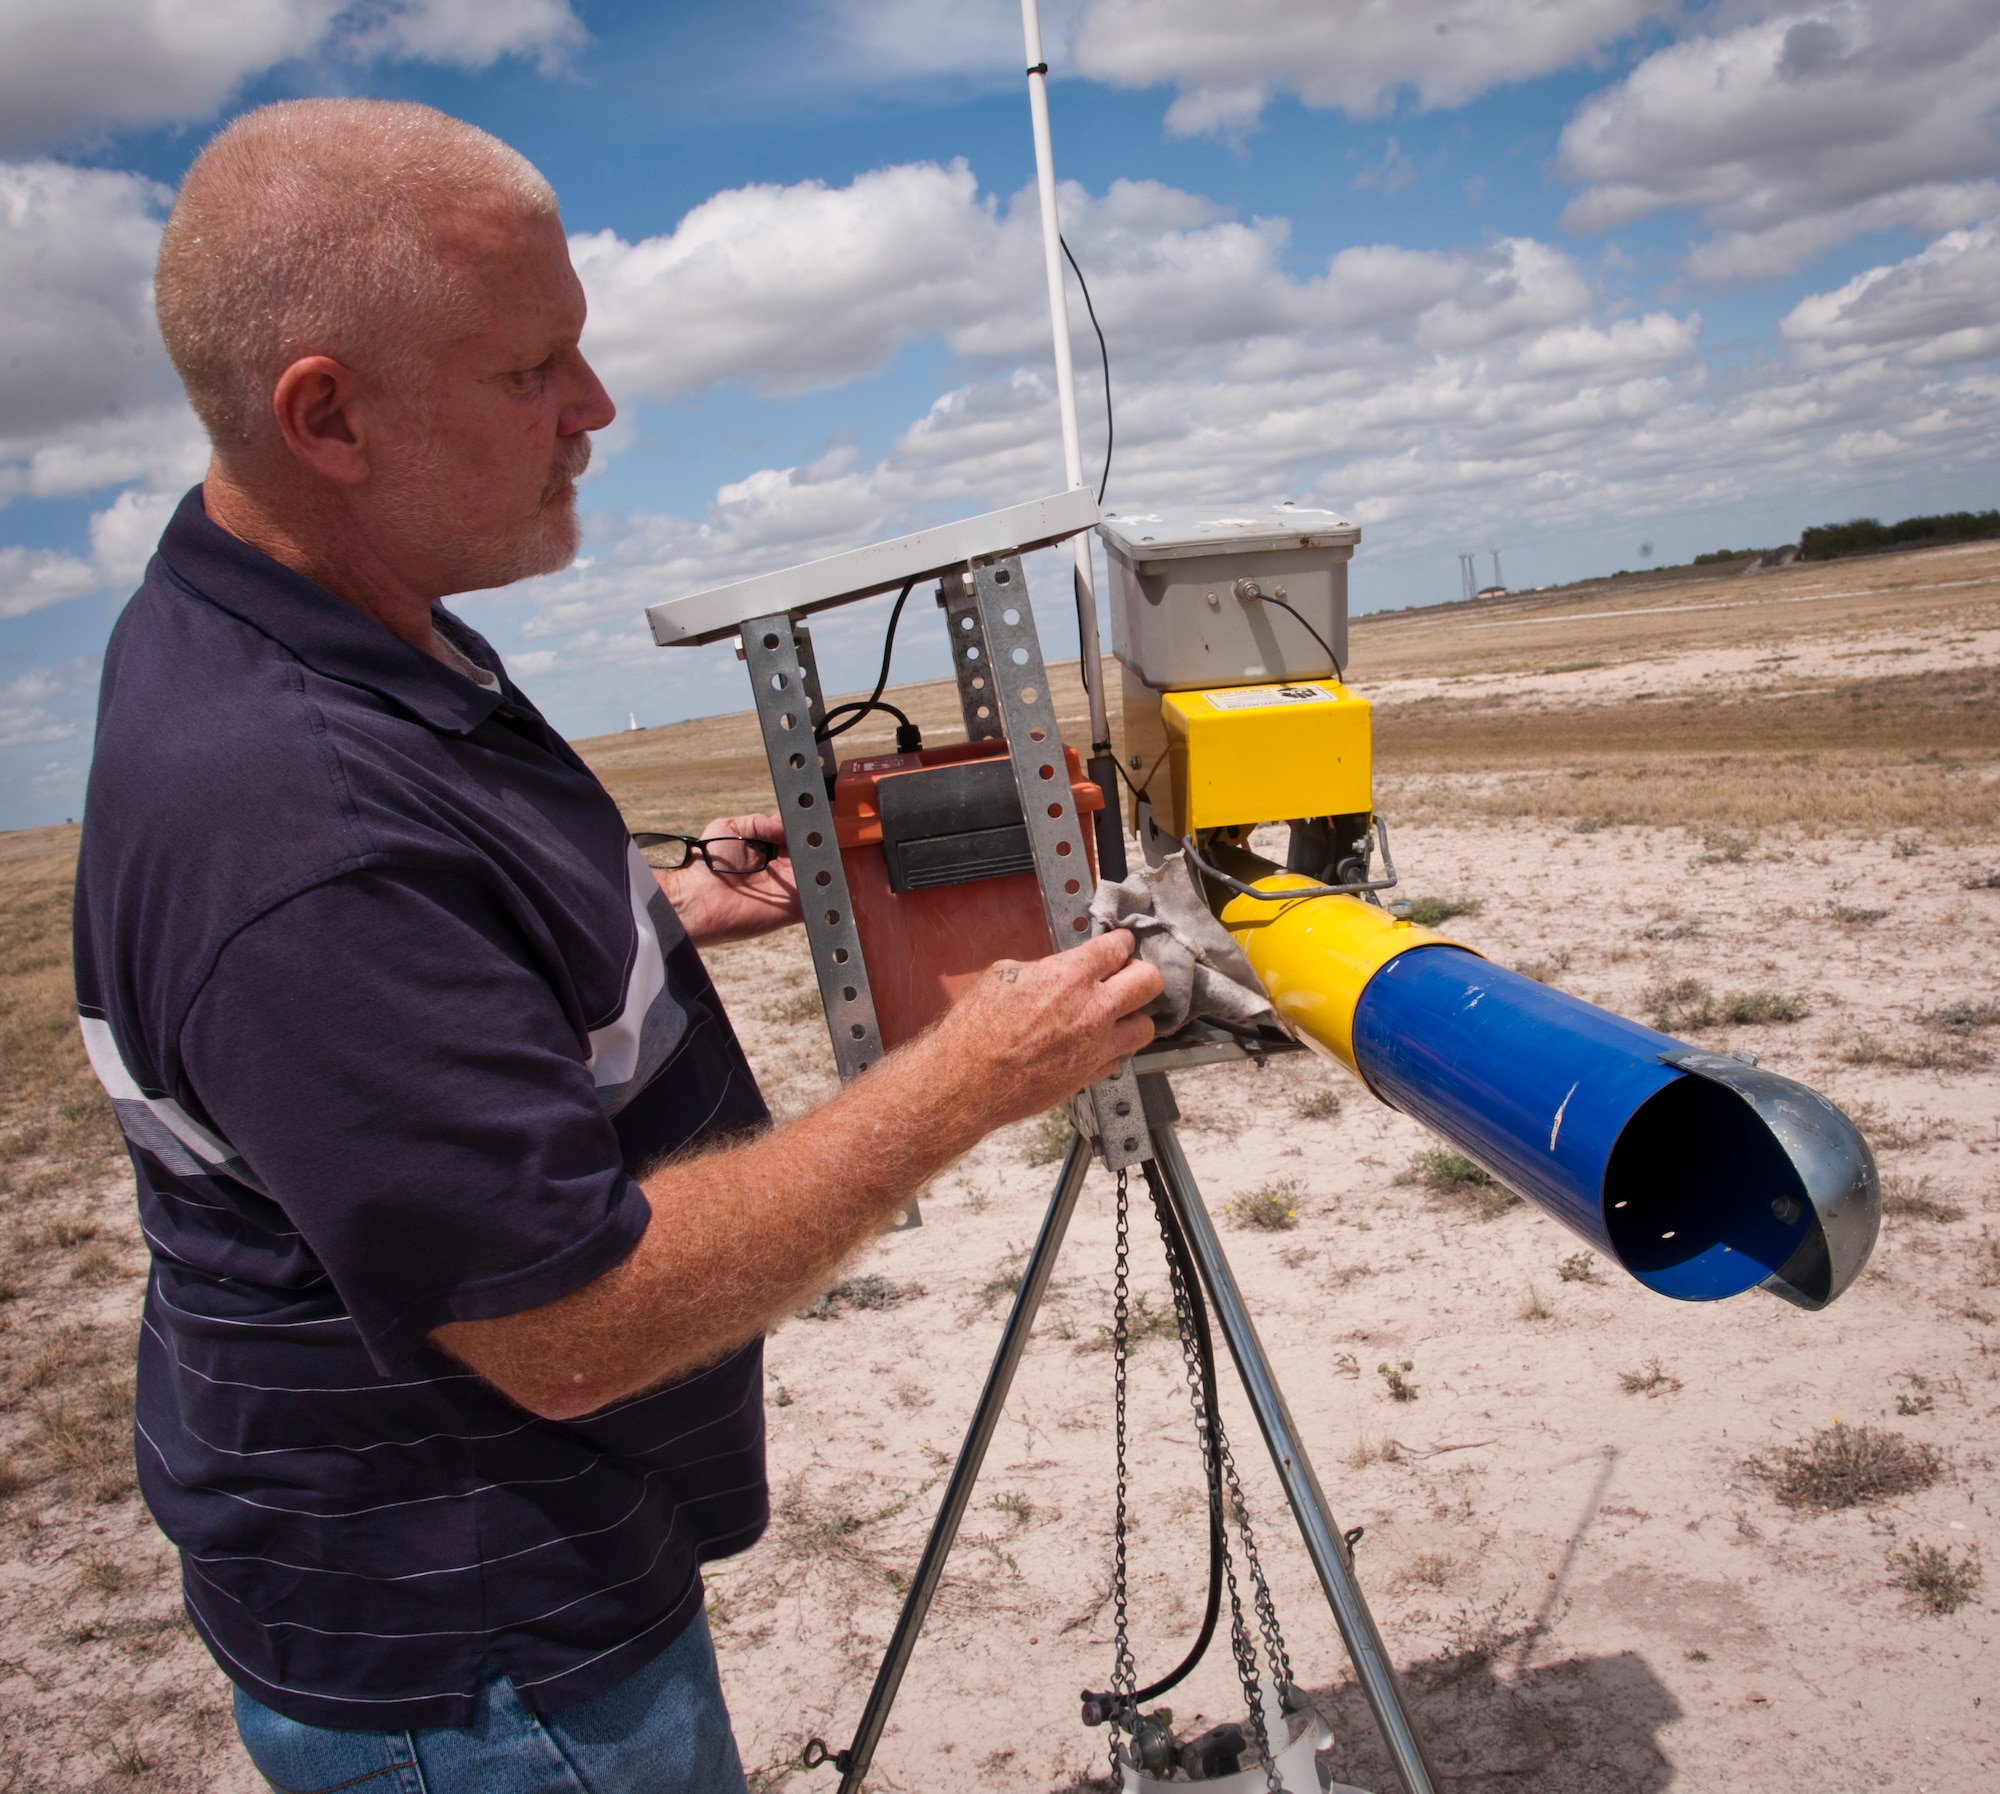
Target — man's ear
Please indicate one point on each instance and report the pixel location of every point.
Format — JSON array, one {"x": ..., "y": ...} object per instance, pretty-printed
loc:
[{"x": 314, "y": 404}]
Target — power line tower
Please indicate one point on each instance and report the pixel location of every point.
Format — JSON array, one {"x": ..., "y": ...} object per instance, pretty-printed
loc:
[
  {"x": 1498, "y": 578},
  {"x": 1468, "y": 575}
]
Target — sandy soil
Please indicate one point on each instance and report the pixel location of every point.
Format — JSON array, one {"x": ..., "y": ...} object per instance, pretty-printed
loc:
[{"x": 1587, "y": 1587}]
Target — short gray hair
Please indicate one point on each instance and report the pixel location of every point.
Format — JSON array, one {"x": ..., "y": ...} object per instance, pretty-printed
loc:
[{"x": 313, "y": 228}]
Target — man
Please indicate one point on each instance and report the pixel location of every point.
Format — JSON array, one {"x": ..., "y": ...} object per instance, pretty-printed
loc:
[{"x": 465, "y": 1216}]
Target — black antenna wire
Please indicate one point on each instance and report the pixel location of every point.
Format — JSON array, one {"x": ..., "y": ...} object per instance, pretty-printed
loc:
[{"x": 1104, "y": 354}]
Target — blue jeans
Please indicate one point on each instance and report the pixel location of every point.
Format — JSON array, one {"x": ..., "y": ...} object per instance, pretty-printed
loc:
[{"x": 664, "y": 1730}]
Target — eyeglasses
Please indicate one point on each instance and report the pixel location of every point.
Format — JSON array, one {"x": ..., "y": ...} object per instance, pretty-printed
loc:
[{"x": 733, "y": 856}]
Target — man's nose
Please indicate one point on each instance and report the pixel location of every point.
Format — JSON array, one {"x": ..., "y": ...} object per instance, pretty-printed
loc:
[{"x": 589, "y": 406}]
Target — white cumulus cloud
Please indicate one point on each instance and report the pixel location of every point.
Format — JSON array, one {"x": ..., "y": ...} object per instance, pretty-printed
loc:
[
  {"x": 32, "y": 578},
  {"x": 1937, "y": 308},
  {"x": 1227, "y": 62},
  {"x": 87, "y": 397},
  {"x": 68, "y": 66},
  {"x": 1797, "y": 130},
  {"x": 795, "y": 287}
]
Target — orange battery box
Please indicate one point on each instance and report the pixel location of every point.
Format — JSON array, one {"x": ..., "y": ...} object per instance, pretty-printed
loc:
[{"x": 940, "y": 874}]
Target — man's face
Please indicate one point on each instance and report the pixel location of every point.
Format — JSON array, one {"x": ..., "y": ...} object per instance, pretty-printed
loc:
[{"x": 474, "y": 481}]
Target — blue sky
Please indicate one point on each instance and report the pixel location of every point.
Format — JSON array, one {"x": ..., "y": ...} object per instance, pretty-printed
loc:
[{"x": 1572, "y": 278}]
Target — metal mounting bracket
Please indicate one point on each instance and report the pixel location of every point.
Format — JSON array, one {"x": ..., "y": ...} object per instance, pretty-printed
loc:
[{"x": 1110, "y": 1112}]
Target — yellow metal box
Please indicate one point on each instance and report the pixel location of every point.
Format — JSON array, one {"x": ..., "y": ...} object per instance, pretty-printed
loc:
[{"x": 1266, "y": 753}]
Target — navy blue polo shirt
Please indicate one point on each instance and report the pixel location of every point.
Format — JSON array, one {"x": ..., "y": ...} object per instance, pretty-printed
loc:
[{"x": 391, "y": 1012}]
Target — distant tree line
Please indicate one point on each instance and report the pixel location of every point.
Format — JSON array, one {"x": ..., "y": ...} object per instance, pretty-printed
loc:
[{"x": 1864, "y": 535}]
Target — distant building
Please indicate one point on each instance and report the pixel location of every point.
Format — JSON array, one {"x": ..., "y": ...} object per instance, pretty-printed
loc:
[{"x": 1491, "y": 592}]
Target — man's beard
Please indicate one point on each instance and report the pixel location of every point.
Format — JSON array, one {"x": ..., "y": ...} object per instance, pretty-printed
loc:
[{"x": 546, "y": 541}]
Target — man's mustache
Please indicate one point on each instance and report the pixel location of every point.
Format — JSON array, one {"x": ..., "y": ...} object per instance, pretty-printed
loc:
[{"x": 572, "y": 457}]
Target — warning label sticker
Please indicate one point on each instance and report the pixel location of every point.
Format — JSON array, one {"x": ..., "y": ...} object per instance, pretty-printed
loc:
[{"x": 1263, "y": 697}]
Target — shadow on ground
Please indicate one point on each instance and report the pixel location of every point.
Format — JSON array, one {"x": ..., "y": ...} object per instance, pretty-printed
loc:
[{"x": 1586, "y": 1725}]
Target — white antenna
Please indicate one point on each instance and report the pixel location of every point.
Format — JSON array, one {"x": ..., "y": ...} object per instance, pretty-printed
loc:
[{"x": 1052, "y": 255}]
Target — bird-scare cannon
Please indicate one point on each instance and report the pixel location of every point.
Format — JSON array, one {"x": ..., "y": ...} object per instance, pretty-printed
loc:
[{"x": 1700, "y": 1174}]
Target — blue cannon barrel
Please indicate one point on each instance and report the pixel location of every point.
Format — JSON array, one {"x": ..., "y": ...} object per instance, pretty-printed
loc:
[{"x": 1701, "y": 1175}]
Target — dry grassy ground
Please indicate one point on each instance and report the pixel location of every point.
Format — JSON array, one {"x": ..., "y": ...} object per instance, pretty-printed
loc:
[{"x": 1749, "y": 797}]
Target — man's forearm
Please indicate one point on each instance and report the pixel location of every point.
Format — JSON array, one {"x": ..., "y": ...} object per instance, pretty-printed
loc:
[{"x": 739, "y": 1236}]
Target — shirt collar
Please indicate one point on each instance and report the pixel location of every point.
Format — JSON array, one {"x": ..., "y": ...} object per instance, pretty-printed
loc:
[{"x": 325, "y": 632}]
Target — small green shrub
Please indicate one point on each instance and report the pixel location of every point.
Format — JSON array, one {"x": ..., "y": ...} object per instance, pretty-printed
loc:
[
  {"x": 1400, "y": 1389},
  {"x": 1680, "y": 1006},
  {"x": 1428, "y": 912},
  {"x": 1271, "y": 1207},
  {"x": 1454, "y": 1176},
  {"x": 1048, "y": 1137},
  {"x": 1762, "y": 1008}
]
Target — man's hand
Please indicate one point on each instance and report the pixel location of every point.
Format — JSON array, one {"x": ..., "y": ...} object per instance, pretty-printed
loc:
[
  {"x": 1027, "y": 1036},
  {"x": 717, "y": 907}
]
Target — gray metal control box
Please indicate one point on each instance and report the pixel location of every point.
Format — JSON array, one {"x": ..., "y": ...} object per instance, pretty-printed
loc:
[{"x": 1180, "y": 620}]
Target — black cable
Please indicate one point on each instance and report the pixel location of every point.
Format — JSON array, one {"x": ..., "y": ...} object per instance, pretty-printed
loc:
[
  {"x": 861, "y": 707},
  {"x": 874, "y": 699},
  {"x": 1205, "y": 1356},
  {"x": 1325, "y": 646},
  {"x": 1104, "y": 479}
]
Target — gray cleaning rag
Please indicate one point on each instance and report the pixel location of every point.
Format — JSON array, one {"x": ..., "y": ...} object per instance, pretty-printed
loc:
[{"x": 1206, "y": 974}]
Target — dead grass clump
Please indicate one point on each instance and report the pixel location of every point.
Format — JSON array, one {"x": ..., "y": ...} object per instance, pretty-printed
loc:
[
  {"x": 1579, "y": 1267},
  {"x": 1431, "y": 1568},
  {"x": 860, "y": 1294},
  {"x": 1912, "y": 1199},
  {"x": 1680, "y": 1005},
  {"x": 1653, "y": 1380},
  {"x": 795, "y": 1007},
  {"x": 1317, "y": 1105},
  {"x": 102, "y": 1575},
  {"x": 1895, "y": 1128},
  {"x": 1270, "y": 1208},
  {"x": 1476, "y": 1636},
  {"x": 1936, "y": 1581},
  {"x": 1850, "y": 915},
  {"x": 88, "y": 1447},
  {"x": 1724, "y": 848},
  {"x": 69, "y": 1231},
  {"x": 11, "y": 1479},
  {"x": 94, "y": 1264},
  {"x": 1536, "y": 1307},
  {"x": 1847, "y": 1466},
  {"x": 1546, "y": 971},
  {"x": 1951, "y": 1053},
  {"x": 1962, "y": 1018},
  {"x": 1762, "y": 1008}
]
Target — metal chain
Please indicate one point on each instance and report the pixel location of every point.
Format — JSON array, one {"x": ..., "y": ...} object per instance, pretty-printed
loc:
[
  {"x": 1220, "y": 1468},
  {"x": 1124, "y": 1672}
]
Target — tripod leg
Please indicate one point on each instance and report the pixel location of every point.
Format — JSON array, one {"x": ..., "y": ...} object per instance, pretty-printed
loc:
[
  {"x": 854, "y": 1761},
  {"x": 1322, "y": 1538}
]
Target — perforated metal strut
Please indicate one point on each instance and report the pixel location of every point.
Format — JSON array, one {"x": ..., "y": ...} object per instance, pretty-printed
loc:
[
  {"x": 1110, "y": 1112},
  {"x": 778, "y": 652}
]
